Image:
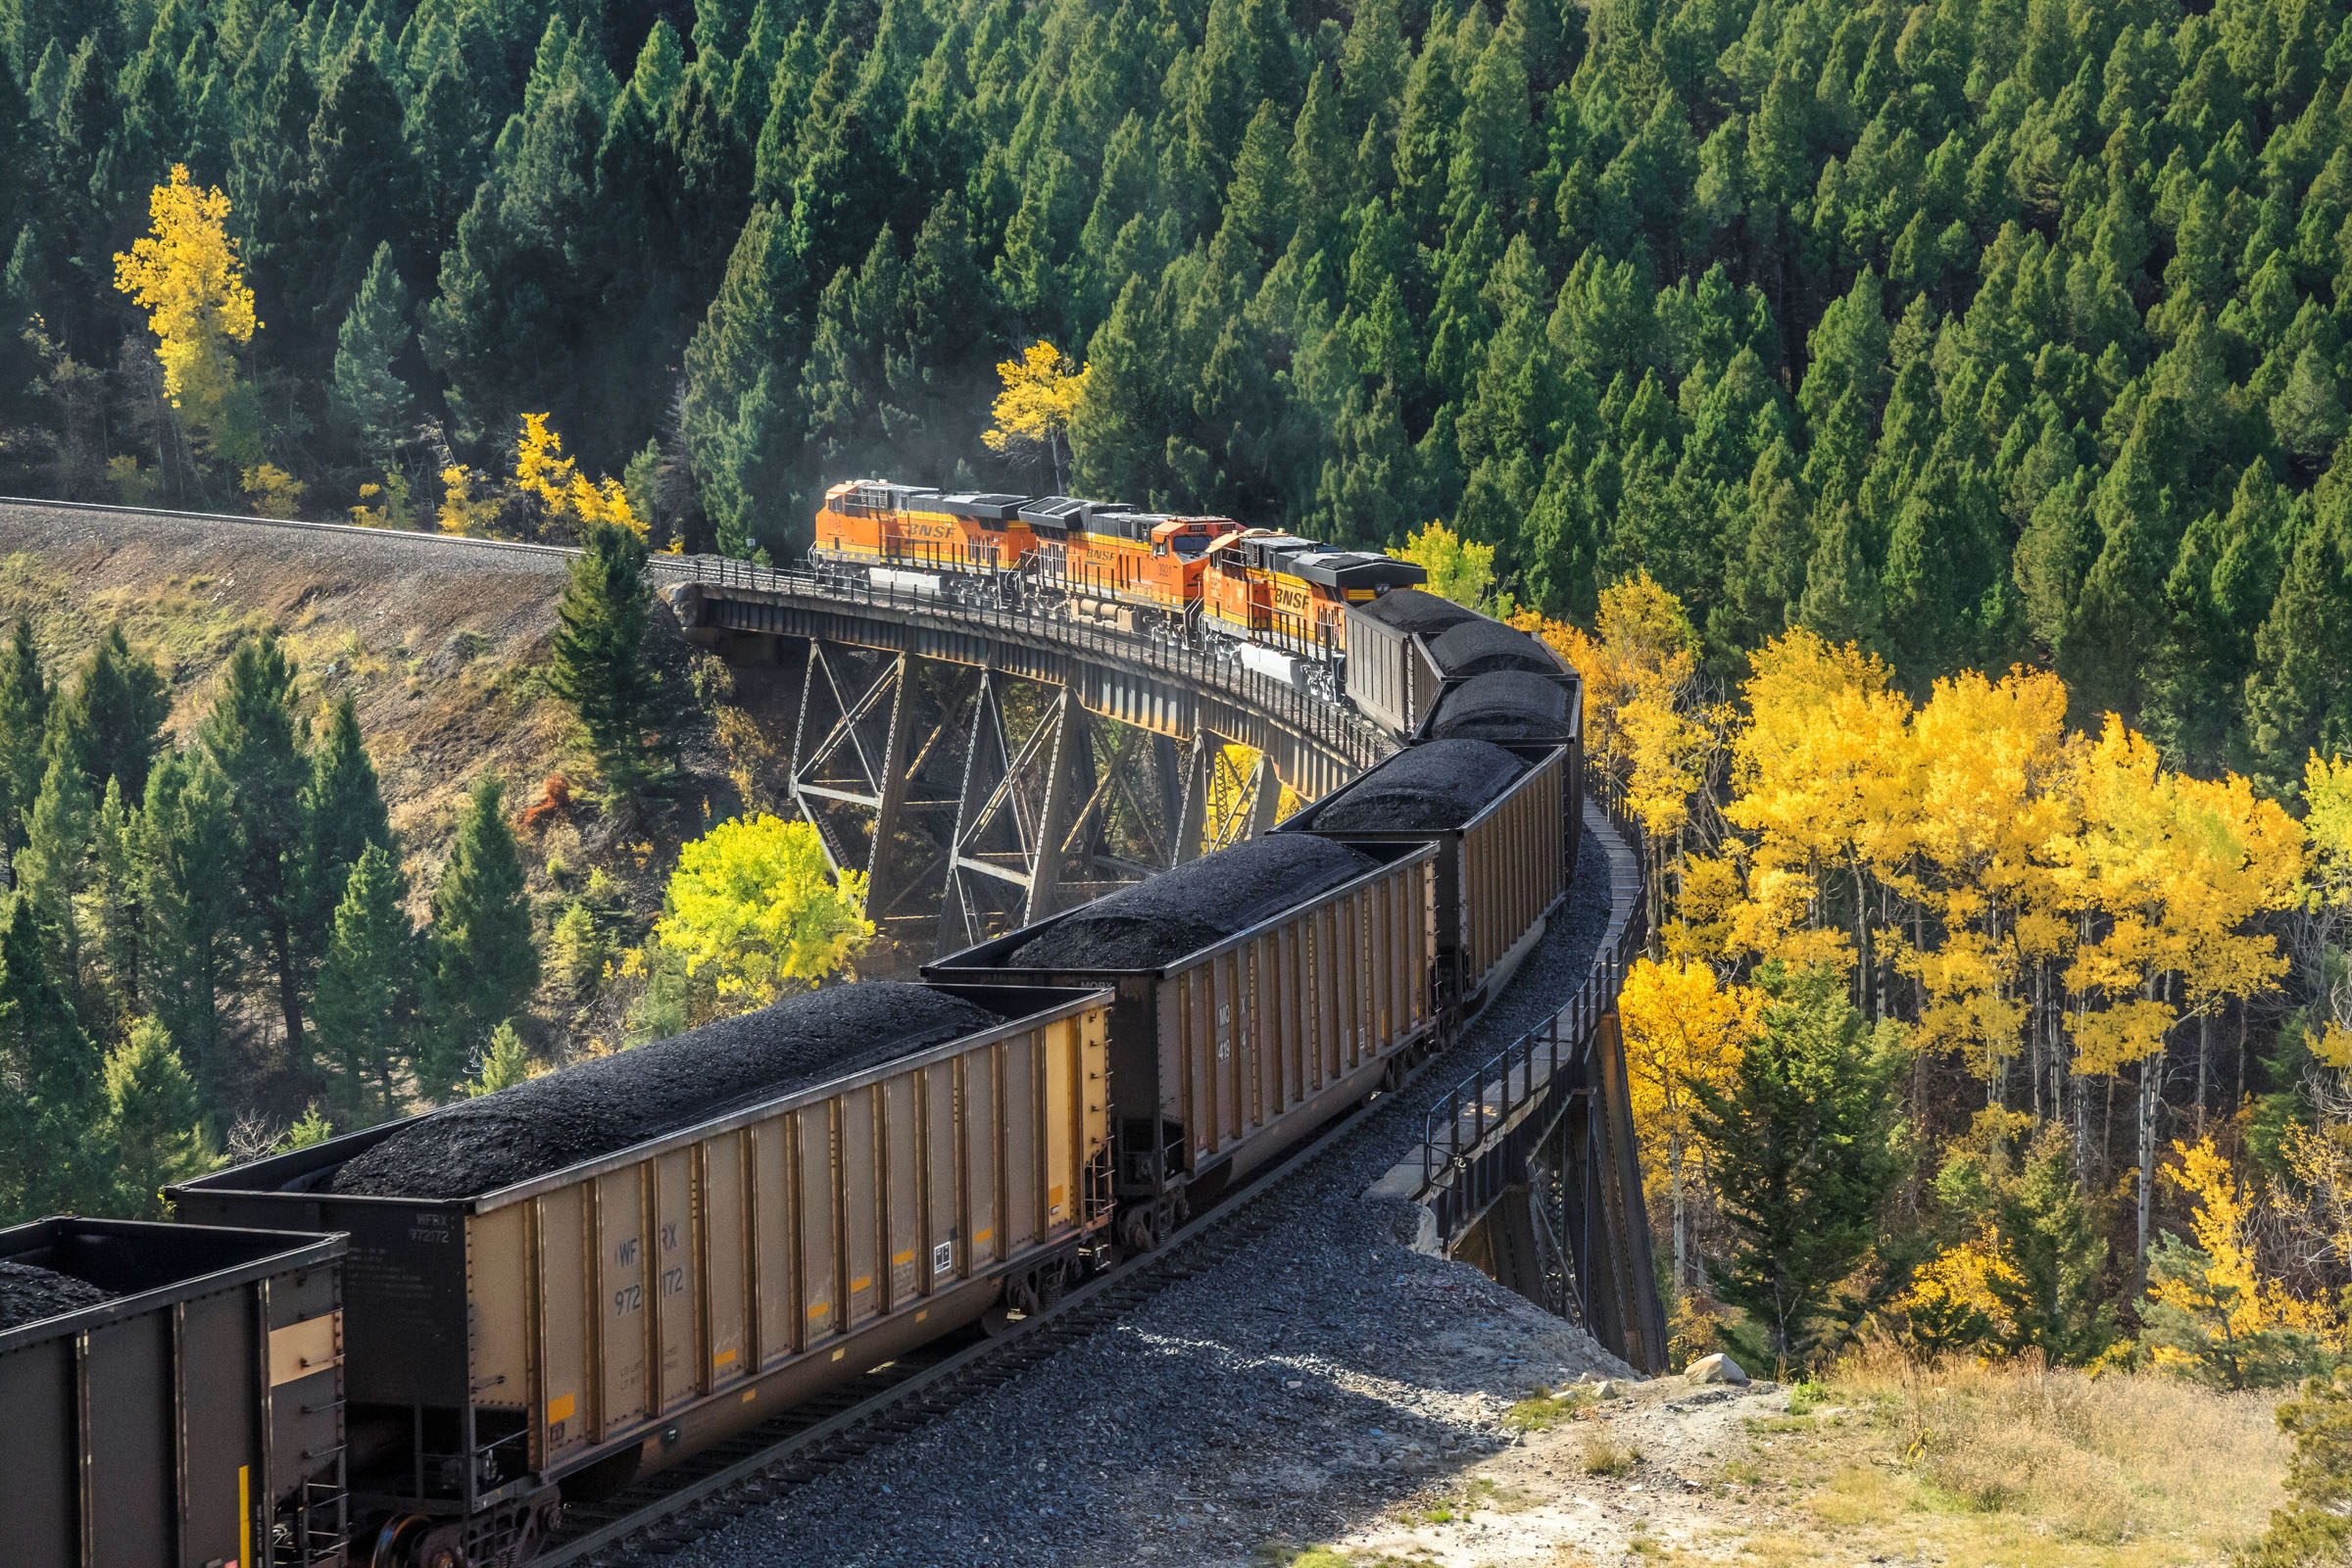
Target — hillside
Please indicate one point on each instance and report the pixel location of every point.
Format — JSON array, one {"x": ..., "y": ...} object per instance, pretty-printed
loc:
[{"x": 441, "y": 648}]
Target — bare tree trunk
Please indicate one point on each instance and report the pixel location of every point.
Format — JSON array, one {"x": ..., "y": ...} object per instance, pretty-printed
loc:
[
  {"x": 2151, "y": 1093},
  {"x": 1682, "y": 1230},
  {"x": 2204, "y": 1038}
]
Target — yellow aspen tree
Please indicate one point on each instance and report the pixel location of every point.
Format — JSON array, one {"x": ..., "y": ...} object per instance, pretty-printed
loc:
[
  {"x": 1680, "y": 1025},
  {"x": 275, "y": 491},
  {"x": 1992, "y": 781},
  {"x": 1032, "y": 413},
  {"x": 1460, "y": 569},
  {"x": 462, "y": 511},
  {"x": 2243, "y": 857},
  {"x": 1646, "y": 725},
  {"x": 2223, "y": 1223},
  {"x": 574, "y": 503},
  {"x": 1822, "y": 778},
  {"x": 2328, "y": 902},
  {"x": 185, "y": 274},
  {"x": 2116, "y": 874},
  {"x": 754, "y": 912}
]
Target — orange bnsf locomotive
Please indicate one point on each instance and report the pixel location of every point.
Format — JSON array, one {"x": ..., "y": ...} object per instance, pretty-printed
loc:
[{"x": 1206, "y": 579}]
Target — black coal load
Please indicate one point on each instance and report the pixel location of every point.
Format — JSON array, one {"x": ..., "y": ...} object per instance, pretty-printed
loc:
[
  {"x": 1438, "y": 785},
  {"x": 29, "y": 1294},
  {"x": 1475, "y": 647},
  {"x": 1413, "y": 610},
  {"x": 1507, "y": 705},
  {"x": 606, "y": 1105},
  {"x": 1192, "y": 907}
]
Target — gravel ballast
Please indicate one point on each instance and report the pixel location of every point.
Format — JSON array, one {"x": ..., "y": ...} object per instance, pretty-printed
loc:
[
  {"x": 1303, "y": 1386},
  {"x": 1506, "y": 704},
  {"x": 1415, "y": 609},
  {"x": 1475, "y": 647},
  {"x": 1441, "y": 784},
  {"x": 599, "y": 1106},
  {"x": 1195, "y": 906},
  {"x": 29, "y": 1294}
]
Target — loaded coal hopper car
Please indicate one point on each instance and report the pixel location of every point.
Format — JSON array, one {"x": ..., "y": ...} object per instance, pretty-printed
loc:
[
  {"x": 170, "y": 1396},
  {"x": 1259, "y": 992},
  {"x": 535, "y": 1318}
]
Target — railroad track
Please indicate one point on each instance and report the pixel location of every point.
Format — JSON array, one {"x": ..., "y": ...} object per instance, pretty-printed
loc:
[{"x": 669, "y": 1511}]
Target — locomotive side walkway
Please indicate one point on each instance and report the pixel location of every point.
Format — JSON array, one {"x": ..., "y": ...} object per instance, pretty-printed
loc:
[{"x": 1297, "y": 1390}]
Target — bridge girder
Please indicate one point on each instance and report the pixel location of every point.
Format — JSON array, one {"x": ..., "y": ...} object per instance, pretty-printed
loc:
[{"x": 963, "y": 770}]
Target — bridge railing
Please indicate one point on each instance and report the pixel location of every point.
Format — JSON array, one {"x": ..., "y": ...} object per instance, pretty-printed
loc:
[
  {"x": 1303, "y": 710},
  {"x": 1464, "y": 1164}
]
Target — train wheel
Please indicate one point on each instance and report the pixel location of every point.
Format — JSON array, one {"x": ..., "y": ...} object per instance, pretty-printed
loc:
[{"x": 392, "y": 1543}]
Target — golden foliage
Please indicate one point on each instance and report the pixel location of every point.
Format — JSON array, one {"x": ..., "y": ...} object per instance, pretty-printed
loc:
[
  {"x": 574, "y": 503},
  {"x": 275, "y": 491},
  {"x": 2224, "y": 1226},
  {"x": 383, "y": 506},
  {"x": 1679, "y": 1024},
  {"x": 1642, "y": 725},
  {"x": 1032, "y": 413},
  {"x": 754, "y": 910},
  {"x": 185, "y": 274},
  {"x": 462, "y": 511}
]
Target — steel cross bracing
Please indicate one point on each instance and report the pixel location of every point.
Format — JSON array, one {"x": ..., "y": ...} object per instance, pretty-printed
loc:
[{"x": 952, "y": 754}]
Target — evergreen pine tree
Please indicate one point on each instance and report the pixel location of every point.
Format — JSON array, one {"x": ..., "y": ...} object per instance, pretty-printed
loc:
[
  {"x": 112, "y": 904},
  {"x": 600, "y": 665},
  {"x": 1805, "y": 1153},
  {"x": 367, "y": 992},
  {"x": 56, "y": 1094},
  {"x": 506, "y": 1062},
  {"x": 23, "y": 724},
  {"x": 1841, "y": 601},
  {"x": 369, "y": 346},
  {"x": 483, "y": 966},
  {"x": 255, "y": 738},
  {"x": 740, "y": 422},
  {"x": 2049, "y": 1287},
  {"x": 343, "y": 811},
  {"x": 153, "y": 1129},
  {"x": 53, "y": 866},
  {"x": 187, "y": 856},
  {"x": 115, "y": 716}
]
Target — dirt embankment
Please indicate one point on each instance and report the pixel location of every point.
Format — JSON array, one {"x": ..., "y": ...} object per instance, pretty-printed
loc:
[{"x": 443, "y": 648}]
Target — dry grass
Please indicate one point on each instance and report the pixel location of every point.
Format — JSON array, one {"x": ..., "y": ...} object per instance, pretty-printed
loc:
[
  {"x": 2122, "y": 1468},
  {"x": 1606, "y": 1455}
]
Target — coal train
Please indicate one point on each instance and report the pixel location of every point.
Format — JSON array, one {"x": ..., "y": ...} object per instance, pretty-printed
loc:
[
  {"x": 418, "y": 1344},
  {"x": 1273, "y": 599}
]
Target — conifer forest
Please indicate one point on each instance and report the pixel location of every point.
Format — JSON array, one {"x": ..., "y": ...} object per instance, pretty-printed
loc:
[
  {"x": 1925, "y": 426},
  {"x": 1980, "y": 332}
]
